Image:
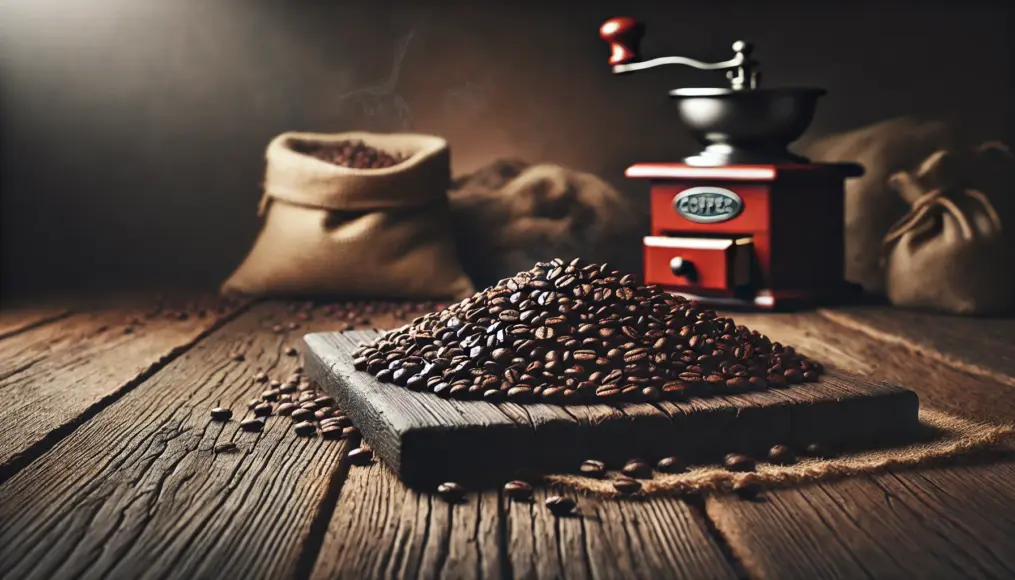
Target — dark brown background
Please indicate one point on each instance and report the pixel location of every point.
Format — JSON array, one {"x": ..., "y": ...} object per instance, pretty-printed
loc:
[{"x": 133, "y": 130}]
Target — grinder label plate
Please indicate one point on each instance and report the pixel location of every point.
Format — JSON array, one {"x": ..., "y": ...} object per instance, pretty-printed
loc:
[{"x": 708, "y": 205}]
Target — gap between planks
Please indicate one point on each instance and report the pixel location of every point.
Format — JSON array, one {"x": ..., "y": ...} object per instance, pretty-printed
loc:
[{"x": 66, "y": 373}]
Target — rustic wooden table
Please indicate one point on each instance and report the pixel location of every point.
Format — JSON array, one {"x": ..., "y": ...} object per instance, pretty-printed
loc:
[{"x": 107, "y": 467}]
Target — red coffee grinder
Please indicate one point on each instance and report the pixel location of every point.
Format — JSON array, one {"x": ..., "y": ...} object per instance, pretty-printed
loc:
[{"x": 743, "y": 222}]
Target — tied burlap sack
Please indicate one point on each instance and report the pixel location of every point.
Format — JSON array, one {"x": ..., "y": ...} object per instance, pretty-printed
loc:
[
  {"x": 511, "y": 214},
  {"x": 950, "y": 252},
  {"x": 871, "y": 206},
  {"x": 337, "y": 231}
]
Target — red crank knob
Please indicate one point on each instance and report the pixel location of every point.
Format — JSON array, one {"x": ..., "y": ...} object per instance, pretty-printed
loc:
[{"x": 624, "y": 35}]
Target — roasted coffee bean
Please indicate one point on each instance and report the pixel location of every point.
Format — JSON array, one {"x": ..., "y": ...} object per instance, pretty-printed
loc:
[
  {"x": 286, "y": 408},
  {"x": 626, "y": 485},
  {"x": 637, "y": 468},
  {"x": 253, "y": 403},
  {"x": 221, "y": 414},
  {"x": 260, "y": 378},
  {"x": 560, "y": 506},
  {"x": 291, "y": 351},
  {"x": 302, "y": 415},
  {"x": 518, "y": 490},
  {"x": 781, "y": 454},
  {"x": 324, "y": 401},
  {"x": 322, "y": 414},
  {"x": 350, "y": 432},
  {"x": 553, "y": 332},
  {"x": 239, "y": 357},
  {"x": 225, "y": 447},
  {"x": 331, "y": 431},
  {"x": 270, "y": 395},
  {"x": 304, "y": 428},
  {"x": 252, "y": 425},
  {"x": 451, "y": 491},
  {"x": 818, "y": 450},
  {"x": 262, "y": 410},
  {"x": 361, "y": 456},
  {"x": 738, "y": 462},
  {"x": 747, "y": 490},
  {"x": 593, "y": 468},
  {"x": 669, "y": 465}
]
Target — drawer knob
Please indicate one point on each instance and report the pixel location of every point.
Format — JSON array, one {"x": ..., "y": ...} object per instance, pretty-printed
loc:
[{"x": 684, "y": 268}]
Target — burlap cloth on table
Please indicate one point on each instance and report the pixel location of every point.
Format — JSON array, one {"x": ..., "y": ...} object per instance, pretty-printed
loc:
[{"x": 941, "y": 436}]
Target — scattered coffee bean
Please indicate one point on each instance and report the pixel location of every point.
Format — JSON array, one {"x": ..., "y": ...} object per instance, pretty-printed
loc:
[
  {"x": 331, "y": 431},
  {"x": 239, "y": 357},
  {"x": 626, "y": 485},
  {"x": 669, "y": 465},
  {"x": 291, "y": 351},
  {"x": 302, "y": 415},
  {"x": 747, "y": 490},
  {"x": 286, "y": 408},
  {"x": 304, "y": 428},
  {"x": 818, "y": 450},
  {"x": 593, "y": 468},
  {"x": 574, "y": 332},
  {"x": 221, "y": 414},
  {"x": 781, "y": 454},
  {"x": 262, "y": 410},
  {"x": 637, "y": 468},
  {"x": 350, "y": 432},
  {"x": 324, "y": 401},
  {"x": 270, "y": 395},
  {"x": 560, "y": 506},
  {"x": 322, "y": 414},
  {"x": 361, "y": 456},
  {"x": 738, "y": 462},
  {"x": 260, "y": 378},
  {"x": 252, "y": 425},
  {"x": 451, "y": 491},
  {"x": 225, "y": 447},
  {"x": 253, "y": 403},
  {"x": 518, "y": 490}
]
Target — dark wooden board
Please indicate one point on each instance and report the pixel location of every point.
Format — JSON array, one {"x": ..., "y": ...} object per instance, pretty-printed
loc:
[
  {"x": 426, "y": 439},
  {"x": 16, "y": 320}
]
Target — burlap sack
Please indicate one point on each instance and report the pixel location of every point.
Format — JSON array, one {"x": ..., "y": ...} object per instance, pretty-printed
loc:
[
  {"x": 511, "y": 214},
  {"x": 950, "y": 253},
  {"x": 335, "y": 231},
  {"x": 871, "y": 206}
]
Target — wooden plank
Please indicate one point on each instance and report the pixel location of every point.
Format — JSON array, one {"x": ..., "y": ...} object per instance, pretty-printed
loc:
[
  {"x": 423, "y": 438},
  {"x": 928, "y": 523},
  {"x": 382, "y": 529},
  {"x": 955, "y": 522},
  {"x": 979, "y": 346},
  {"x": 53, "y": 377},
  {"x": 17, "y": 320},
  {"x": 137, "y": 491},
  {"x": 939, "y": 385}
]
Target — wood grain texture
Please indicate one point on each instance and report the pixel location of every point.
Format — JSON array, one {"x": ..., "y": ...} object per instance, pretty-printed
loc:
[
  {"x": 419, "y": 535},
  {"x": 939, "y": 385},
  {"x": 955, "y": 522},
  {"x": 54, "y": 376},
  {"x": 137, "y": 491},
  {"x": 16, "y": 320},
  {"x": 424, "y": 438},
  {"x": 946, "y": 522},
  {"x": 980, "y": 346}
]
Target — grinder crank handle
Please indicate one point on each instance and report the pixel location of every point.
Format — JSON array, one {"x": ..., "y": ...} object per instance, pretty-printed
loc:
[{"x": 624, "y": 35}]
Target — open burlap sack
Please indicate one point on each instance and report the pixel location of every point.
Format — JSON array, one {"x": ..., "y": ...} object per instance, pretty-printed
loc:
[
  {"x": 871, "y": 206},
  {"x": 511, "y": 214},
  {"x": 337, "y": 231},
  {"x": 951, "y": 252}
]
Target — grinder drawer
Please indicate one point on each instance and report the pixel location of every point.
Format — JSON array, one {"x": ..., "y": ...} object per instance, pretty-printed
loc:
[{"x": 707, "y": 263}]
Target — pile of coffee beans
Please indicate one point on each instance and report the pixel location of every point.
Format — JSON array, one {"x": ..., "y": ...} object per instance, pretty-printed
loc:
[
  {"x": 576, "y": 332},
  {"x": 354, "y": 154}
]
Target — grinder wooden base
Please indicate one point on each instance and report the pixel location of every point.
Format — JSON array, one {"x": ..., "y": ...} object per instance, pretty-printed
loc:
[{"x": 426, "y": 440}]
